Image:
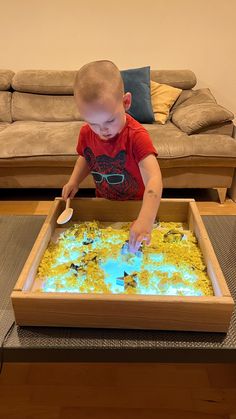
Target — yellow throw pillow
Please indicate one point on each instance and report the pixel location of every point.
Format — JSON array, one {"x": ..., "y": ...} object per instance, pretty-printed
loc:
[{"x": 162, "y": 98}]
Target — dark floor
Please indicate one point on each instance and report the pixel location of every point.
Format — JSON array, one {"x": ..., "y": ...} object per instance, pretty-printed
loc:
[{"x": 50, "y": 194}]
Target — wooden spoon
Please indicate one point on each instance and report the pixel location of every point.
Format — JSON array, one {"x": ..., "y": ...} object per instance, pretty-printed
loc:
[{"x": 66, "y": 214}]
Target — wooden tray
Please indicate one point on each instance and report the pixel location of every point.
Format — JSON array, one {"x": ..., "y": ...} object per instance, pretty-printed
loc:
[{"x": 121, "y": 310}]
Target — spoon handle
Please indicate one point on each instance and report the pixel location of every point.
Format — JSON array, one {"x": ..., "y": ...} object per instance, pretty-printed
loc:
[{"x": 68, "y": 203}]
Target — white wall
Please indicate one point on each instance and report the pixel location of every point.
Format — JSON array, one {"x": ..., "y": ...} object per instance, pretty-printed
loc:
[{"x": 166, "y": 34}]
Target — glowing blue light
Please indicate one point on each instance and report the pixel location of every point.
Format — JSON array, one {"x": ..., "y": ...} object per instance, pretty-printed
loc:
[
  {"x": 156, "y": 257},
  {"x": 169, "y": 269},
  {"x": 117, "y": 267}
]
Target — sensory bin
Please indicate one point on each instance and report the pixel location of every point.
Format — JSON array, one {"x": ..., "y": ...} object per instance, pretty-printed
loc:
[
  {"x": 93, "y": 257},
  {"x": 83, "y": 275}
]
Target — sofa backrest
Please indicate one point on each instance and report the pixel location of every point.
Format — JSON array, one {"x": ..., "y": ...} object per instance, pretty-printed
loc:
[
  {"x": 5, "y": 95},
  {"x": 47, "y": 95},
  {"x": 48, "y": 108},
  {"x": 44, "y": 95},
  {"x": 56, "y": 82},
  {"x": 182, "y": 79}
]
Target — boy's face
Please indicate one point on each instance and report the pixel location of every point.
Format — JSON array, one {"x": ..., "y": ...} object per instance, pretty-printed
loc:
[{"x": 105, "y": 117}]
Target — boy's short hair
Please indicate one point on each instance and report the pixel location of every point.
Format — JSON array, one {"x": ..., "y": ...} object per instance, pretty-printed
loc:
[{"x": 96, "y": 79}]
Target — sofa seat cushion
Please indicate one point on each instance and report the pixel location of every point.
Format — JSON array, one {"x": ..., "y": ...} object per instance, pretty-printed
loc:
[
  {"x": 3, "y": 125},
  {"x": 26, "y": 139},
  {"x": 55, "y": 143},
  {"x": 172, "y": 143}
]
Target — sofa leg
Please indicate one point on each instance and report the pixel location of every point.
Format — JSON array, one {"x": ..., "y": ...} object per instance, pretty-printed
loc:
[
  {"x": 222, "y": 194},
  {"x": 232, "y": 190}
]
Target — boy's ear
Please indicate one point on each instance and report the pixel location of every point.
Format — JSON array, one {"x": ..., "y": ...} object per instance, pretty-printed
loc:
[{"x": 127, "y": 100}]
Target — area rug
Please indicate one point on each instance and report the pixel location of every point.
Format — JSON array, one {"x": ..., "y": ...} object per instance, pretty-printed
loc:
[{"x": 18, "y": 234}]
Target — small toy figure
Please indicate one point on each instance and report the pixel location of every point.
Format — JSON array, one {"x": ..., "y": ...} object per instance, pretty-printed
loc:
[
  {"x": 173, "y": 236},
  {"x": 87, "y": 241},
  {"x": 128, "y": 280}
]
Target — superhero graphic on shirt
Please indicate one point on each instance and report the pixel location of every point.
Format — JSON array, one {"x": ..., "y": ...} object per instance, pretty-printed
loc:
[{"x": 112, "y": 179}]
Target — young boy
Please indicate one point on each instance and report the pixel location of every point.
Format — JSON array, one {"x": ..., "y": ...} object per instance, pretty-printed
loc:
[{"x": 114, "y": 147}]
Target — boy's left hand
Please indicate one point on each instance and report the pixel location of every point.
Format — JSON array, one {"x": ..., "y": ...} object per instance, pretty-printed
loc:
[{"x": 140, "y": 230}]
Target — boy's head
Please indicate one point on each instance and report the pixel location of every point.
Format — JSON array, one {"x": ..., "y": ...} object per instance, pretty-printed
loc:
[{"x": 99, "y": 94}]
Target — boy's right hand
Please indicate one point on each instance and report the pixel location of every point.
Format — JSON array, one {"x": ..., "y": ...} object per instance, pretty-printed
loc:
[{"x": 69, "y": 190}]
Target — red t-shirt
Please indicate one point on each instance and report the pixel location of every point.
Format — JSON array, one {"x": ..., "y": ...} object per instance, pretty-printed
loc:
[{"x": 114, "y": 162}]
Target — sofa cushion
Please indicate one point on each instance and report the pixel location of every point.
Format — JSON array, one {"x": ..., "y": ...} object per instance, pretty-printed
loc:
[
  {"x": 62, "y": 82},
  {"x": 189, "y": 97},
  {"x": 194, "y": 117},
  {"x": 50, "y": 139},
  {"x": 5, "y": 79},
  {"x": 39, "y": 139},
  {"x": 137, "y": 82},
  {"x": 5, "y": 107},
  {"x": 163, "y": 98},
  {"x": 33, "y": 107},
  {"x": 227, "y": 128},
  {"x": 183, "y": 79},
  {"x": 44, "y": 81},
  {"x": 184, "y": 95},
  {"x": 3, "y": 125},
  {"x": 172, "y": 143}
]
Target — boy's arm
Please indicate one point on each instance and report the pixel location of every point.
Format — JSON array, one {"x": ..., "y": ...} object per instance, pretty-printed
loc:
[
  {"x": 80, "y": 172},
  {"x": 142, "y": 227}
]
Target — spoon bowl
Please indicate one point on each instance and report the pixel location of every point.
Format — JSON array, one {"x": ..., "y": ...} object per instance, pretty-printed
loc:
[{"x": 66, "y": 215}]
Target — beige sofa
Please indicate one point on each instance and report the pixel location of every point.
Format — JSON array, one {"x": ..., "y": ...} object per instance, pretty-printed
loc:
[{"x": 39, "y": 126}]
